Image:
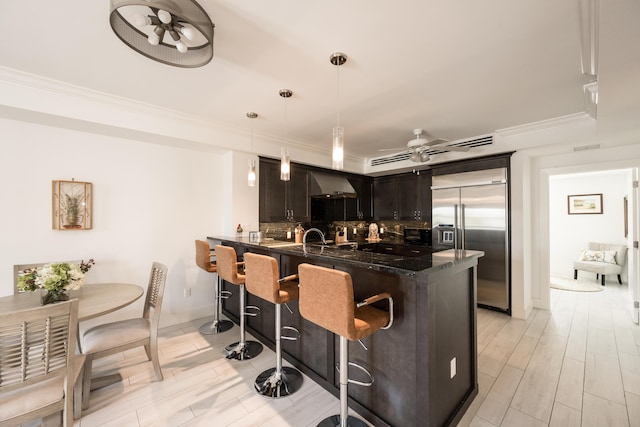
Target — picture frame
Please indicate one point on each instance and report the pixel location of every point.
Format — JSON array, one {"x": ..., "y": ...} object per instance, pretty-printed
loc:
[
  {"x": 72, "y": 207},
  {"x": 585, "y": 204}
]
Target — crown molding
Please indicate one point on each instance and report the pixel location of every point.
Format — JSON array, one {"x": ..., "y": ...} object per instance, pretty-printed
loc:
[
  {"x": 88, "y": 105},
  {"x": 545, "y": 124}
]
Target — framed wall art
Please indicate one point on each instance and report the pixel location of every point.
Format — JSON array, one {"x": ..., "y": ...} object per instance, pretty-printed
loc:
[
  {"x": 585, "y": 204},
  {"x": 72, "y": 205}
]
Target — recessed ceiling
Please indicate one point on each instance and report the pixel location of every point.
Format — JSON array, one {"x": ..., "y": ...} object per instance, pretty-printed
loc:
[{"x": 455, "y": 69}]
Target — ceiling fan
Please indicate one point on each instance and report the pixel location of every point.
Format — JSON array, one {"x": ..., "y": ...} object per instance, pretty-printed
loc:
[{"x": 419, "y": 147}]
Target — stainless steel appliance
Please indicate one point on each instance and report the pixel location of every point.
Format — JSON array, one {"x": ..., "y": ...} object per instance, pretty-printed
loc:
[{"x": 471, "y": 211}]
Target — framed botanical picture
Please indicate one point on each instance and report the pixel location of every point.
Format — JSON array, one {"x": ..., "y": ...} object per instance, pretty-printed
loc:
[
  {"x": 585, "y": 204},
  {"x": 72, "y": 207}
]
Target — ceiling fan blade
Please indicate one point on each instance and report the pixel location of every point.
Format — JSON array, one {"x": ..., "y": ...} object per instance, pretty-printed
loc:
[
  {"x": 437, "y": 141},
  {"x": 392, "y": 149},
  {"x": 451, "y": 148}
]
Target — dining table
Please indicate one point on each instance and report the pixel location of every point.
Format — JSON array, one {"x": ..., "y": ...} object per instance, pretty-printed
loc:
[{"x": 94, "y": 300}]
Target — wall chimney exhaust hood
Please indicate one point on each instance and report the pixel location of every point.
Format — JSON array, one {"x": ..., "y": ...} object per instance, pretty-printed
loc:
[{"x": 330, "y": 186}]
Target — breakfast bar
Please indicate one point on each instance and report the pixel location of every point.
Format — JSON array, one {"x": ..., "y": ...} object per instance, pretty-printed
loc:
[{"x": 424, "y": 366}]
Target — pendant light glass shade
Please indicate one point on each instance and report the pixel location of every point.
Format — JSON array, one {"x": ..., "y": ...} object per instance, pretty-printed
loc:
[
  {"x": 338, "y": 148},
  {"x": 251, "y": 176},
  {"x": 285, "y": 165},
  {"x": 337, "y": 152},
  {"x": 285, "y": 161}
]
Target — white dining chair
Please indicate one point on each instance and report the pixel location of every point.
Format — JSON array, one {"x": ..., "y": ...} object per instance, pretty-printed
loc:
[
  {"x": 115, "y": 337},
  {"x": 38, "y": 364}
]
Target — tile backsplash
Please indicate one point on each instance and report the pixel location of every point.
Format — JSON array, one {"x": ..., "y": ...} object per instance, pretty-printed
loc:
[{"x": 393, "y": 230}]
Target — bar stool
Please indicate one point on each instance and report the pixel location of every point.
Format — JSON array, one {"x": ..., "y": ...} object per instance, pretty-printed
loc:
[
  {"x": 261, "y": 279},
  {"x": 326, "y": 299},
  {"x": 203, "y": 260},
  {"x": 228, "y": 270}
]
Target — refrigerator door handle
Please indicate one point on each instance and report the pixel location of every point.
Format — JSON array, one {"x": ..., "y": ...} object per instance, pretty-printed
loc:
[
  {"x": 462, "y": 227},
  {"x": 455, "y": 226}
]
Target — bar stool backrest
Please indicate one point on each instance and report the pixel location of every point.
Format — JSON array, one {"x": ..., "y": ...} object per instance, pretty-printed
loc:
[
  {"x": 326, "y": 299},
  {"x": 203, "y": 256},
  {"x": 227, "y": 264},
  {"x": 261, "y": 276}
]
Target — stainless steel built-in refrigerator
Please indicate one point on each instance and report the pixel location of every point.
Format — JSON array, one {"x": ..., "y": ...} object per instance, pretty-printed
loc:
[{"x": 471, "y": 211}]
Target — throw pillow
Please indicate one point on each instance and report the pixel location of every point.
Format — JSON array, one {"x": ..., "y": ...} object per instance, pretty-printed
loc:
[
  {"x": 610, "y": 257},
  {"x": 600, "y": 256}
]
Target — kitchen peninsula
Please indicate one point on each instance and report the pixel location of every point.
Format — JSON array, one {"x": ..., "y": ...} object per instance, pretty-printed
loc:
[{"x": 424, "y": 366}]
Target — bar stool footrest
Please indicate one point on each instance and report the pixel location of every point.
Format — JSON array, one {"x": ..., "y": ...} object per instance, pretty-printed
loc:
[
  {"x": 289, "y": 338},
  {"x": 269, "y": 384},
  {"x": 246, "y": 351},
  {"x": 215, "y": 327},
  {"x": 363, "y": 369},
  {"x": 251, "y": 307}
]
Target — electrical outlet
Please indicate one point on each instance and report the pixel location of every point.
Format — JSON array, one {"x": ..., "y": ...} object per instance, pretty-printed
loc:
[
  {"x": 453, "y": 367},
  {"x": 187, "y": 292}
]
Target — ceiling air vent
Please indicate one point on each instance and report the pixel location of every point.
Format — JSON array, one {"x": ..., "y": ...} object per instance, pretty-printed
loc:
[
  {"x": 390, "y": 159},
  {"x": 471, "y": 143}
]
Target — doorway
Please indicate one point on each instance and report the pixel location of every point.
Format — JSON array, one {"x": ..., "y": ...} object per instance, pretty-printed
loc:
[{"x": 613, "y": 222}]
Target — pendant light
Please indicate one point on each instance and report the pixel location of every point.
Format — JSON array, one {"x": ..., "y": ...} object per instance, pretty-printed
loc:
[
  {"x": 251, "y": 175},
  {"x": 285, "y": 161},
  {"x": 337, "y": 153}
]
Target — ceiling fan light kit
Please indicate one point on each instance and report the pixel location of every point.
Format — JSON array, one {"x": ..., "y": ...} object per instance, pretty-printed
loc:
[{"x": 178, "y": 33}]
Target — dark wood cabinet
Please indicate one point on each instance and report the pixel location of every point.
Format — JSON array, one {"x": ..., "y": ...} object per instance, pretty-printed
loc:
[
  {"x": 360, "y": 208},
  {"x": 403, "y": 197},
  {"x": 283, "y": 200},
  {"x": 414, "y": 196},
  {"x": 385, "y": 197}
]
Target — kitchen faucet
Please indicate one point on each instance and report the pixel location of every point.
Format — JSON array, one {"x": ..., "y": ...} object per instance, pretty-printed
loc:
[{"x": 304, "y": 238}]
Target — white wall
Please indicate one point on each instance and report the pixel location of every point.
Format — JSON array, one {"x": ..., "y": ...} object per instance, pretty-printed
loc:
[
  {"x": 569, "y": 234},
  {"x": 150, "y": 203}
]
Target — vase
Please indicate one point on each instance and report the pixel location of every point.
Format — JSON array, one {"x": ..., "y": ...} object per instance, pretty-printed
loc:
[{"x": 51, "y": 297}]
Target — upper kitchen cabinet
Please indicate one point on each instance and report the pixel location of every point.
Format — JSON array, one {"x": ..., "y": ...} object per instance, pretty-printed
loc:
[
  {"x": 414, "y": 196},
  {"x": 403, "y": 197},
  {"x": 283, "y": 200},
  {"x": 360, "y": 208},
  {"x": 385, "y": 197}
]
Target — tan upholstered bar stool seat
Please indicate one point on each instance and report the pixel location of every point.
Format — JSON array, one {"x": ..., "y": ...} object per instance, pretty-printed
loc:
[
  {"x": 262, "y": 280},
  {"x": 326, "y": 299},
  {"x": 227, "y": 264},
  {"x": 203, "y": 260}
]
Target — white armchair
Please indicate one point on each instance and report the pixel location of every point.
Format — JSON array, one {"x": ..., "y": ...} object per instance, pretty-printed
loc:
[{"x": 602, "y": 259}]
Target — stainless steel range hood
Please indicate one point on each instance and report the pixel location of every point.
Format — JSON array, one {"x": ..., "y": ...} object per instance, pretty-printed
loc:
[{"x": 330, "y": 186}]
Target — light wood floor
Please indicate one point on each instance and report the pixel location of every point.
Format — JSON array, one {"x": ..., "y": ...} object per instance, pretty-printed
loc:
[{"x": 577, "y": 365}]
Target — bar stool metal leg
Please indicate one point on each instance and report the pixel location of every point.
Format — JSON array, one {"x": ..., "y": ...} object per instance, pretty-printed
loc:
[
  {"x": 217, "y": 325},
  {"x": 343, "y": 420},
  {"x": 243, "y": 349},
  {"x": 278, "y": 382}
]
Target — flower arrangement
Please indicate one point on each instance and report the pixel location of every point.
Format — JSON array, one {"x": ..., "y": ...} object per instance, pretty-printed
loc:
[{"x": 56, "y": 278}]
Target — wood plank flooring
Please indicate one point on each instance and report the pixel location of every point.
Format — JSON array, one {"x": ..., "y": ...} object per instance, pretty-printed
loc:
[{"x": 576, "y": 365}]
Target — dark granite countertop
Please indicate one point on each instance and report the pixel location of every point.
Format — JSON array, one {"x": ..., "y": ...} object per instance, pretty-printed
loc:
[{"x": 345, "y": 253}]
